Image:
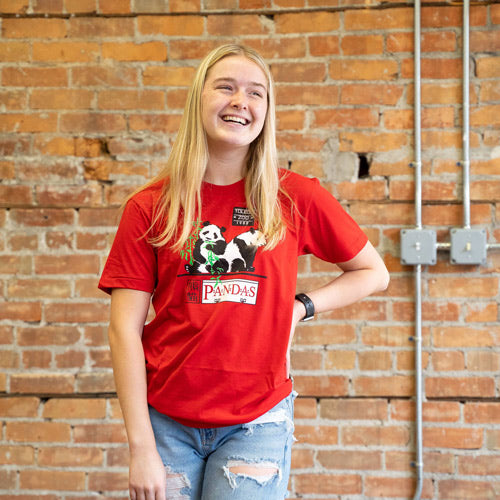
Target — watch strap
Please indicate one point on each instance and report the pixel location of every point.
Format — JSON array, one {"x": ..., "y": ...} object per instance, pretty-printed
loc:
[{"x": 308, "y": 304}]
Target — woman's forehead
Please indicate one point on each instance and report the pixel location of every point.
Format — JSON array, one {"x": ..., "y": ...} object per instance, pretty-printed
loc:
[{"x": 237, "y": 67}]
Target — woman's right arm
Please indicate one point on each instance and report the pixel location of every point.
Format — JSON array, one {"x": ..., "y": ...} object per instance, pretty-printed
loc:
[{"x": 129, "y": 309}]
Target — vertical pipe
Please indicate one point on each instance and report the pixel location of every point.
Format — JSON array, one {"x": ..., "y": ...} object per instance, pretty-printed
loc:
[
  {"x": 418, "y": 268},
  {"x": 465, "y": 119},
  {"x": 417, "y": 119},
  {"x": 419, "y": 462}
]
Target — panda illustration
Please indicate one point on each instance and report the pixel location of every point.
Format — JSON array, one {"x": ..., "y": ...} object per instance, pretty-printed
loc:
[
  {"x": 207, "y": 249},
  {"x": 241, "y": 250}
]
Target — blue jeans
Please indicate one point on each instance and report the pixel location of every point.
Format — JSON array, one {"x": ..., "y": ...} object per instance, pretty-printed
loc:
[{"x": 239, "y": 462}]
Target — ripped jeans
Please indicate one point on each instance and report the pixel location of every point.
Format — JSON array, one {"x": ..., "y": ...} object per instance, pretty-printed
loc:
[{"x": 239, "y": 462}]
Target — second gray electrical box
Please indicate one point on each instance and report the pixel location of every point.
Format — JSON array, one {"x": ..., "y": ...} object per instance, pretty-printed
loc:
[{"x": 468, "y": 246}]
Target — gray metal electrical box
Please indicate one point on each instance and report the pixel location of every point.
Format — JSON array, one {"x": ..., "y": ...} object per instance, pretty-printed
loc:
[
  {"x": 468, "y": 246},
  {"x": 418, "y": 246}
]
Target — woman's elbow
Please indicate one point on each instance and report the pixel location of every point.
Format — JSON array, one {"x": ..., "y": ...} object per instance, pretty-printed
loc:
[{"x": 383, "y": 278}]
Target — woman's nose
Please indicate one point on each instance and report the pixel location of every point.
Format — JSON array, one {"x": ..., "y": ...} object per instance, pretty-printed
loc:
[{"x": 239, "y": 100}]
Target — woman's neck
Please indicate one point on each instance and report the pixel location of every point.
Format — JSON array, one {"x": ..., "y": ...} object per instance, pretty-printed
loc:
[{"x": 226, "y": 167}]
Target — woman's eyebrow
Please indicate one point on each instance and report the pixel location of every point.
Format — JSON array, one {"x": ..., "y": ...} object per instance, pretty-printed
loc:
[{"x": 233, "y": 80}]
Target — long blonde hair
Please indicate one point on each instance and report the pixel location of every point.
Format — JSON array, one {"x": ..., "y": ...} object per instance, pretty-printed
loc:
[{"x": 180, "y": 201}]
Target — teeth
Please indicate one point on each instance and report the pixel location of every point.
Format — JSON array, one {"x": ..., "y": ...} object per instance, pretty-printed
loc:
[{"x": 235, "y": 119}]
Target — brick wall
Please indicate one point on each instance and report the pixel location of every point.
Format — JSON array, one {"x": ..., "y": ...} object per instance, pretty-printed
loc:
[{"x": 91, "y": 96}]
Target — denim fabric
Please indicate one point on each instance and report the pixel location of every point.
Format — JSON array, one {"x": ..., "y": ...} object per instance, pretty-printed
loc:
[{"x": 204, "y": 464}]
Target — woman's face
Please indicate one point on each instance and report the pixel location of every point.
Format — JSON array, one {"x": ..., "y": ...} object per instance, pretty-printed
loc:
[{"x": 234, "y": 102}]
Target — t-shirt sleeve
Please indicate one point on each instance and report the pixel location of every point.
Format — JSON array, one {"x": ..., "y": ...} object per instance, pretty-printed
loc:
[
  {"x": 132, "y": 261},
  {"x": 327, "y": 230}
]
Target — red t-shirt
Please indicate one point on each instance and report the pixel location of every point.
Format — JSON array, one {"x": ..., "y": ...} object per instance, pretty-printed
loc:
[{"x": 216, "y": 349}]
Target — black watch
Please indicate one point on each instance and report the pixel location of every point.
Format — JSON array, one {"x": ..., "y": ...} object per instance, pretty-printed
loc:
[{"x": 308, "y": 304}]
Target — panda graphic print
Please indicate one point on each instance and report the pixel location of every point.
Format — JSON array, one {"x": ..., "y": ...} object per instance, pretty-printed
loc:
[{"x": 210, "y": 255}]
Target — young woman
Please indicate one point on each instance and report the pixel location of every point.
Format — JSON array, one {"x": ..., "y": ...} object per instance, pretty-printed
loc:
[{"x": 214, "y": 241}]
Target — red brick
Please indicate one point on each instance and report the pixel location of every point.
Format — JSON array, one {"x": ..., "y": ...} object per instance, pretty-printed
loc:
[
  {"x": 461, "y": 336},
  {"x": 308, "y": 95},
  {"x": 375, "y": 435},
  {"x": 108, "y": 481},
  {"x": 390, "y": 487},
  {"x": 131, "y": 99},
  {"x": 171, "y": 25},
  {"x": 129, "y": 51},
  {"x": 104, "y": 27},
  {"x": 66, "y": 52},
  {"x": 463, "y": 287},
  {"x": 13, "y": 101},
  {"x": 18, "y": 455},
  {"x": 56, "y": 456},
  {"x": 14, "y": 6},
  {"x": 235, "y": 25},
  {"x": 52, "y": 480},
  {"x": 354, "y": 409},
  {"x": 61, "y": 99},
  {"x": 19, "y": 407},
  {"x": 24, "y": 311},
  {"x": 488, "y": 67},
  {"x": 94, "y": 76},
  {"x": 375, "y": 360},
  {"x": 350, "y": 460},
  {"x": 328, "y": 484},
  {"x": 397, "y": 385},
  {"x": 483, "y": 361},
  {"x": 324, "y": 385},
  {"x": 340, "y": 360},
  {"x": 306, "y": 408},
  {"x": 378, "y": 19},
  {"x": 362, "y": 45},
  {"x": 168, "y": 76},
  {"x": 325, "y": 334},
  {"x": 368, "y": 69},
  {"x": 34, "y": 28},
  {"x": 92, "y": 123},
  {"x": 338, "y": 118},
  {"x": 446, "y": 387},
  {"x": 483, "y": 413},
  {"x": 461, "y": 489},
  {"x": 67, "y": 264},
  {"x": 15, "y": 196},
  {"x": 448, "y": 361},
  {"x": 33, "y": 122},
  {"x": 38, "y": 288},
  {"x": 95, "y": 383},
  {"x": 71, "y": 312},
  {"x": 80, "y": 6},
  {"x": 39, "y": 432},
  {"x": 299, "y": 72},
  {"x": 372, "y": 141},
  {"x": 432, "y": 411},
  {"x": 371, "y": 93},
  {"x": 302, "y": 22},
  {"x": 99, "y": 433},
  {"x": 33, "y": 383}
]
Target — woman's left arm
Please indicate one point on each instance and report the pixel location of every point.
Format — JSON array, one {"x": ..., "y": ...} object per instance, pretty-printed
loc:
[{"x": 362, "y": 275}]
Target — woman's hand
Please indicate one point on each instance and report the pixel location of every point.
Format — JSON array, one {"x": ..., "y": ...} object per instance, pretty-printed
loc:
[{"x": 147, "y": 477}]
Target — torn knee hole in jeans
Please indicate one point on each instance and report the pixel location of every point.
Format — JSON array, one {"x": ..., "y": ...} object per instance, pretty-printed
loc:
[
  {"x": 262, "y": 471},
  {"x": 178, "y": 485}
]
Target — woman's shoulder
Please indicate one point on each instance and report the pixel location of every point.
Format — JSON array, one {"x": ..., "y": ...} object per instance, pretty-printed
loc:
[
  {"x": 296, "y": 184},
  {"x": 147, "y": 196}
]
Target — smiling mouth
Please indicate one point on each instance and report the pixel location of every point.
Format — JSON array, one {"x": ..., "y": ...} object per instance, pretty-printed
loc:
[{"x": 235, "y": 119}]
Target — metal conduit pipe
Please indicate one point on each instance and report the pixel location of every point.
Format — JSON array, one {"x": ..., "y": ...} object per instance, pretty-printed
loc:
[
  {"x": 419, "y": 465},
  {"x": 465, "y": 117}
]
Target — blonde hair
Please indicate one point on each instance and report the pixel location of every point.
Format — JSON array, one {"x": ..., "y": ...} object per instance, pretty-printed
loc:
[{"x": 180, "y": 202}]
